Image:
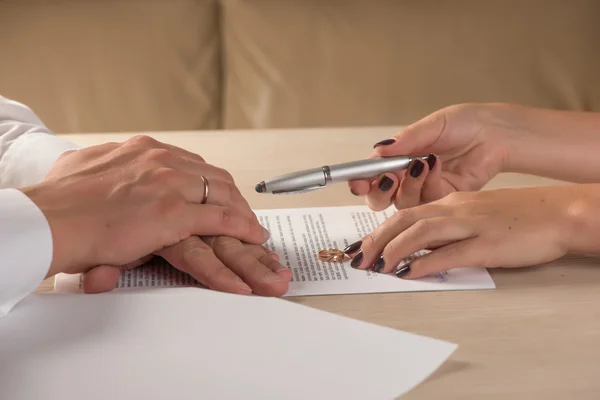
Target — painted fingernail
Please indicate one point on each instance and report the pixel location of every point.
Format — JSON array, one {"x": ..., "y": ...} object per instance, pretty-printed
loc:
[
  {"x": 353, "y": 192},
  {"x": 386, "y": 183},
  {"x": 402, "y": 272},
  {"x": 353, "y": 247},
  {"x": 385, "y": 142},
  {"x": 357, "y": 259},
  {"x": 379, "y": 264},
  {"x": 417, "y": 168},
  {"x": 431, "y": 159}
]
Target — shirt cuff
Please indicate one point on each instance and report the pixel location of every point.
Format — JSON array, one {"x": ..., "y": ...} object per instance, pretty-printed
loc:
[
  {"x": 25, "y": 245},
  {"x": 30, "y": 158}
]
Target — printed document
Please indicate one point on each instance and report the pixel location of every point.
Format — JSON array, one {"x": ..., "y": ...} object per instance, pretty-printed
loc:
[{"x": 297, "y": 235}]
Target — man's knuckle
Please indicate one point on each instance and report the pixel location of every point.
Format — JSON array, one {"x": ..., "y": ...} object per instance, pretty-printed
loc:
[
  {"x": 214, "y": 274},
  {"x": 165, "y": 175},
  {"x": 141, "y": 140},
  {"x": 225, "y": 243},
  {"x": 423, "y": 227},
  {"x": 226, "y": 217},
  {"x": 225, "y": 175},
  {"x": 158, "y": 155}
]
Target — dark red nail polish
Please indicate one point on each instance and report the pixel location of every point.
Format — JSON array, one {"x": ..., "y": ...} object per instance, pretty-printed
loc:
[
  {"x": 355, "y": 263},
  {"x": 386, "y": 183},
  {"x": 353, "y": 247},
  {"x": 431, "y": 159},
  {"x": 402, "y": 272},
  {"x": 417, "y": 168},
  {"x": 385, "y": 142},
  {"x": 379, "y": 264}
]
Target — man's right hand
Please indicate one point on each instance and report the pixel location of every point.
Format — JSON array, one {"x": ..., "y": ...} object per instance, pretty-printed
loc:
[{"x": 116, "y": 203}]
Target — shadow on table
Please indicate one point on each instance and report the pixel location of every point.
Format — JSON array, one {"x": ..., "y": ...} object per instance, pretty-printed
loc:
[{"x": 567, "y": 271}]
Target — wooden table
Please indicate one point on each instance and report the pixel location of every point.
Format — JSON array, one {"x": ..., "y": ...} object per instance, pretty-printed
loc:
[{"x": 537, "y": 336}]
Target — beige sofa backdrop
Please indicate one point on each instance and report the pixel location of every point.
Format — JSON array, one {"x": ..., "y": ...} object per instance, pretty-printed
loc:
[{"x": 143, "y": 65}]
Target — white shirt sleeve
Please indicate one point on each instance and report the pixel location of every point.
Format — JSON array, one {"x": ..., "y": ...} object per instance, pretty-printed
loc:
[{"x": 27, "y": 152}]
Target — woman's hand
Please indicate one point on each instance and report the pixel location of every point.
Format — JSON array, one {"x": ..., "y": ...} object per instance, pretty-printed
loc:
[
  {"x": 468, "y": 146},
  {"x": 499, "y": 228}
]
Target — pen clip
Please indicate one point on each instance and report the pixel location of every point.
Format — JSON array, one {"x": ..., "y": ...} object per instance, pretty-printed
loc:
[{"x": 299, "y": 191}]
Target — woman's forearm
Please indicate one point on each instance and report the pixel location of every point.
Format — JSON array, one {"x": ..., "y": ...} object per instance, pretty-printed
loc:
[{"x": 562, "y": 145}]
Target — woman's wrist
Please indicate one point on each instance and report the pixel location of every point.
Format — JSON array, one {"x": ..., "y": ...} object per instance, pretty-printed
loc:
[
  {"x": 581, "y": 222},
  {"x": 556, "y": 144}
]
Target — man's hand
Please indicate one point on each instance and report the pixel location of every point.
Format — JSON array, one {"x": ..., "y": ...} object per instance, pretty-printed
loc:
[
  {"x": 116, "y": 203},
  {"x": 218, "y": 262}
]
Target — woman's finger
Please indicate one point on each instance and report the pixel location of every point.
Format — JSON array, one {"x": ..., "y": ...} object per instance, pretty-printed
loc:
[
  {"x": 417, "y": 138},
  {"x": 196, "y": 258},
  {"x": 425, "y": 234},
  {"x": 365, "y": 252},
  {"x": 409, "y": 192},
  {"x": 382, "y": 192},
  {"x": 471, "y": 252},
  {"x": 434, "y": 188}
]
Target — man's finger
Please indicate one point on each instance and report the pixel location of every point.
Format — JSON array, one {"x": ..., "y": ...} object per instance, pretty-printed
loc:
[
  {"x": 213, "y": 220},
  {"x": 196, "y": 258},
  {"x": 265, "y": 275},
  {"x": 101, "y": 279},
  {"x": 194, "y": 189},
  {"x": 104, "y": 278}
]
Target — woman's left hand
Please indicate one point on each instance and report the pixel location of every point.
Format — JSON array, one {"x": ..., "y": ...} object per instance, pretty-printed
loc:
[{"x": 495, "y": 228}]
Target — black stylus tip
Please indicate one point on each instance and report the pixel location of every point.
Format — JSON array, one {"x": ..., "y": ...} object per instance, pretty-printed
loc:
[{"x": 260, "y": 187}]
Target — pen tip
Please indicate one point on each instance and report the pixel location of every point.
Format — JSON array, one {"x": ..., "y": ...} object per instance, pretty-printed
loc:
[{"x": 260, "y": 187}]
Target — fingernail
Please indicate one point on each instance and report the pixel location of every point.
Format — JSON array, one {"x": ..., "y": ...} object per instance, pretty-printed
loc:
[
  {"x": 243, "y": 286},
  {"x": 431, "y": 159},
  {"x": 353, "y": 247},
  {"x": 353, "y": 192},
  {"x": 357, "y": 259},
  {"x": 385, "y": 142},
  {"x": 379, "y": 264},
  {"x": 386, "y": 183},
  {"x": 402, "y": 272},
  {"x": 266, "y": 234},
  {"x": 417, "y": 168}
]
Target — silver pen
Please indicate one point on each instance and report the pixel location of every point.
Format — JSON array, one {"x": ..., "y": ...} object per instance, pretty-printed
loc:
[{"x": 318, "y": 178}]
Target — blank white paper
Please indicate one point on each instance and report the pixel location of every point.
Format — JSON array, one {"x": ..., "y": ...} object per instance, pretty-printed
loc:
[
  {"x": 191, "y": 343},
  {"x": 297, "y": 235}
]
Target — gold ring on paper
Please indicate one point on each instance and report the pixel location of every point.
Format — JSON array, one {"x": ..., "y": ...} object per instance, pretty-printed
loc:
[
  {"x": 333, "y": 255},
  {"x": 205, "y": 182}
]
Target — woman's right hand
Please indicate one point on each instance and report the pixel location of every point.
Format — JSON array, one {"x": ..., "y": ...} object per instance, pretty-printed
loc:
[{"x": 467, "y": 146}]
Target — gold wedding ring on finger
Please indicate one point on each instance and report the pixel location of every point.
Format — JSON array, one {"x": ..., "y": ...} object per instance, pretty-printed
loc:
[
  {"x": 331, "y": 255},
  {"x": 205, "y": 183}
]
